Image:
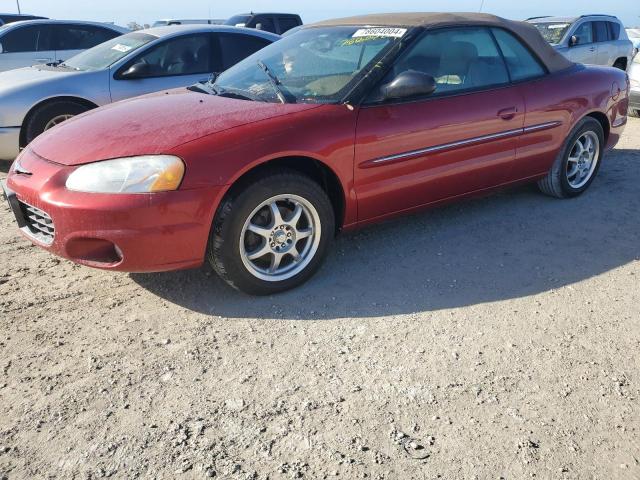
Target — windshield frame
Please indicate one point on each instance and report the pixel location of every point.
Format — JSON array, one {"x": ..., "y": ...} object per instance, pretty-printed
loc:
[{"x": 354, "y": 91}]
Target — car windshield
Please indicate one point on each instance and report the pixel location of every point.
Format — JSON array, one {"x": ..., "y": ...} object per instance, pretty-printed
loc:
[
  {"x": 106, "y": 54},
  {"x": 238, "y": 20},
  {"x": 553, "y": 32},
  {"x": 314, "y": 65}
]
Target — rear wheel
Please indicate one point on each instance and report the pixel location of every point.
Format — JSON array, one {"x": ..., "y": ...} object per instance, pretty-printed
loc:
[
  {"x": 578, "y": 162},
  {"x": 50, "y": 115},
  {"x": 273, "y": 235}
]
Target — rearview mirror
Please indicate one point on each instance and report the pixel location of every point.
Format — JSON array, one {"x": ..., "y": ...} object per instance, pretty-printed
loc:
[
  {"x": 573, "y": 41},
  {"x": 409, "y": 84},
  {"x": 137, "y": 70}
]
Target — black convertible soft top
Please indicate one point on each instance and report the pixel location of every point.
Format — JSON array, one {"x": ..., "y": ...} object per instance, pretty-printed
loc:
[{"x": 528, "y": 33}]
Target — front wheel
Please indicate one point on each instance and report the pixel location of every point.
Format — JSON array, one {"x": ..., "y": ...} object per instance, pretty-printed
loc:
[
  {"x": 577, "y": 163},
  {"x": 273, "y": 234},
  {"x": 50, "y": 115}
]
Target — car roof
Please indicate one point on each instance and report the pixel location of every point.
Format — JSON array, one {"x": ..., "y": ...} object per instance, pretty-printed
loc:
[
  {"x": 251, "y": 14},
  {"x": 55, "y": 22},
  {"x": 549, "y": 19},
  {"x": 169, "y": 30},
  {"x": 527, "y": 32}
]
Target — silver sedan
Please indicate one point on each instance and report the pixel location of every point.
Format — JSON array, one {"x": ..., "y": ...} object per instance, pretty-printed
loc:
[{"x": 37, "y": 98}]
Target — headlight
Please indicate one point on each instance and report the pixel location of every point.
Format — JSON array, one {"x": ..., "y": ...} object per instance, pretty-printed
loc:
[{"x": 144, "y": 174}]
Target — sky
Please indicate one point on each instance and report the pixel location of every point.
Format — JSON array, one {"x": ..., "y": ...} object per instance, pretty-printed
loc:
[{"x": 146, "y": 11}]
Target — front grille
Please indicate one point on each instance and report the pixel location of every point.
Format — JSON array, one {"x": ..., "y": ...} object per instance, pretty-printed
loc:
[{"x": 38, "y": 223}]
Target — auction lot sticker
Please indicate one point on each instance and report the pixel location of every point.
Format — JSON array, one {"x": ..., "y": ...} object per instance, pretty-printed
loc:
[
  {"x": 121, "y": 48},
  {"x": 380, "y": 32}
]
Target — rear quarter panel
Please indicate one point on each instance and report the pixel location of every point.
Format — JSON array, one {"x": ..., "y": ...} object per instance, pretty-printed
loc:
[{"x": 566, "y": 98}]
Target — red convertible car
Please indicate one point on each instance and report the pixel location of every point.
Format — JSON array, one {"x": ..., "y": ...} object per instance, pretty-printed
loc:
[{"x": 341, "y": 124}]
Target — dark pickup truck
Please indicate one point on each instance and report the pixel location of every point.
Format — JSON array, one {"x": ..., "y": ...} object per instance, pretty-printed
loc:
[{"x": 269, "y": 22}]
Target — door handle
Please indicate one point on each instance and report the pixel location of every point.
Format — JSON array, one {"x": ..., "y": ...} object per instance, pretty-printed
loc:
[
  {"x": 508, "y": 113},
  {"x": 43, "y": 60}
]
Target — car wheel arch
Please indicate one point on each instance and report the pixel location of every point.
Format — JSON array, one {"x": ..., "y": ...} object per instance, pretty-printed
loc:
[
  {"x": 23, "y": 128},
  {"x": 603, "y": 120},
  {"x": 316, "y": 169}
]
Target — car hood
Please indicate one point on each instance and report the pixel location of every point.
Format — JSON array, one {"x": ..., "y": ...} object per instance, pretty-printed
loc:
[
  {"x": 21, "y": 78},
  {"x": 151, "y": 124}
]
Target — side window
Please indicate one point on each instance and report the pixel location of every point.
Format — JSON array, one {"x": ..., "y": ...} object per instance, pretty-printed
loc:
[
  {"x": 602, "y": 32},
  {"x": 26, "y": 39},
  {"x": 520, "y": 61},
  {"x": 265, "y": 23},
  {"x": 287, "y": 23},
  {"x": 235, "y": 47},
  {"x": 584, "y": 33},
  {"x": 614, "y": 28},
  {"x": 81, "y": 37},
  {"x": 458, "y": 59},
  {"x": 178, "y": 56}
]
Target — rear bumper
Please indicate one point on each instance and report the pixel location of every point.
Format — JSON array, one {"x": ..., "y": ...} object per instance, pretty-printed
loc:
[
  {"x": 9, "y": 143},
  {"x": 123, "y": 232}
]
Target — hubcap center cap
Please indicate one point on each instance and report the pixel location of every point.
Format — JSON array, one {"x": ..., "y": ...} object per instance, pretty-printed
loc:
[{"x": 282, "y": 238}]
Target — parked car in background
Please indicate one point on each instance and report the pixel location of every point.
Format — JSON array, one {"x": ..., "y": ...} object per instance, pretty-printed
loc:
[
  {"x": 634, "y": 77},
  {"x": 203, "y": 21},
  {"x": 634, "y": 36},
  {"x": 342, "y": 124},
  {"x": 589, "y": 39},
  {"x": 31, "y": 42},
  {"x": 269, "y": 22},
  {"x": 16, "y": 17},
  {"x": 38, "y": 98}
]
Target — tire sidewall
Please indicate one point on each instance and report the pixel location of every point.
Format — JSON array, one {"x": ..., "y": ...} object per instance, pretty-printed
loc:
[
  {"x": 586, "y": 125},
  {"x": 47, "y": 112},
  {"x": 226, "y": 234}
]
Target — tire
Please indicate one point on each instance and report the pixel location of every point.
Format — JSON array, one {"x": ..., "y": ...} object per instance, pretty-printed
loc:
[
  {"x": 558, "y": 182},
  {"x": 45, "y": 114},
  {"x": 233, "y": 241}
]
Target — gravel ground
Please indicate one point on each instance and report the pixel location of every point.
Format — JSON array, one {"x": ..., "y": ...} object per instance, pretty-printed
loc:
[{"x": 494, "y": 338}]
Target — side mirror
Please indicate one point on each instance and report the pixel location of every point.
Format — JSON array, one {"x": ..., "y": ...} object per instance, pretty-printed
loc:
[
  {"x": 573, "y": 41},
  {"x": 409, "y": 84},
  {"x": 137, "y": 70},
  {"x": 258, "y": 26},
  {"x": 1, "y": 48}
]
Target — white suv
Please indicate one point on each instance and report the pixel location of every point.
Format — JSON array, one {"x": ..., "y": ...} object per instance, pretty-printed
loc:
[
  {"x": 30, "y": 42},
  {"x": 590, "y": 39}
]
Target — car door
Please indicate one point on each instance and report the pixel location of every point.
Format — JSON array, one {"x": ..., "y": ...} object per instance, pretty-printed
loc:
[
  {"x": 25, "y": 46},
  {"x": 175, "y": 62},
  {"x": 585, "y": 50},
  {"x": 458, "y": 140},
  {"x": 606, "y": 53},
  {"x": 71, "y": 39}
]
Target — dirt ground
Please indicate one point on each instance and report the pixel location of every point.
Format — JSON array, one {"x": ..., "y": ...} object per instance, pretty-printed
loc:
[{"x": 497, "y": 338}]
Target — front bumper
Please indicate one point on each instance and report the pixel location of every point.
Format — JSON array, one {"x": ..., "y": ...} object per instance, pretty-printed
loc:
[
  {"x": 124, "y": 232},
  {"x": 9, "y": 143}
]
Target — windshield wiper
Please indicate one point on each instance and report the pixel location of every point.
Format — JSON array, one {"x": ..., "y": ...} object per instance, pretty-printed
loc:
[
  {"x": 204, "y": 87},
  {"x": 273, "y": 80}
]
